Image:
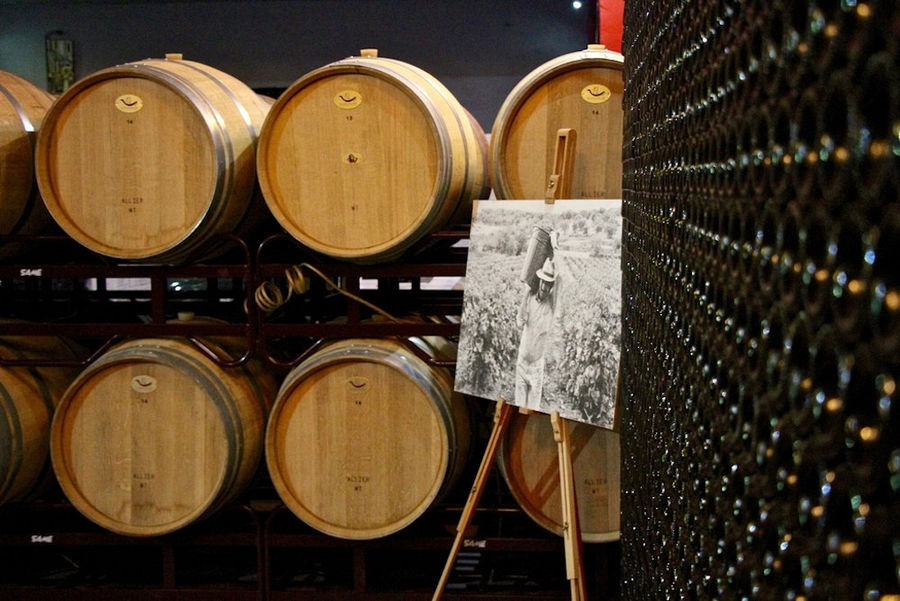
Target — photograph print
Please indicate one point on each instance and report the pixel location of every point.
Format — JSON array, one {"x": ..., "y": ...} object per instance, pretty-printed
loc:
[{"x": 540, "y": 325}]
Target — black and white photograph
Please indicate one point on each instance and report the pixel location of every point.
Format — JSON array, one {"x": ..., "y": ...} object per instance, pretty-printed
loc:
[{"x": 540, "y": 325}]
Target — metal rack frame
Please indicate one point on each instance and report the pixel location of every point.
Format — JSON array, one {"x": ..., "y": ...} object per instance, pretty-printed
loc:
[{"x": 398, "y": 284}]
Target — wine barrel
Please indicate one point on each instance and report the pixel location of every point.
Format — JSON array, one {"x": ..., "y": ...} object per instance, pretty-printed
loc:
[
  {"x": 22, "y": 109},
  {"x": 580, "y": 90},
  {"x": 156, "y": 435},
  {"x": 150, "y": 160},
  {"x": 28, "y": 396},
  {"x": 362, "y": 158},
  {"x": 528, "y": 460},
  {"x": 364, "y": 437}
]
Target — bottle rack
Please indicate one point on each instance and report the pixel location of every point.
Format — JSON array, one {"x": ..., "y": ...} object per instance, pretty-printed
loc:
[{"x": 257, "y": 549}]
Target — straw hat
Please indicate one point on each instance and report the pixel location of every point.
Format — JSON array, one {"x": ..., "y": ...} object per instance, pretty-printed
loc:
[{"x": 547, "y": 272}]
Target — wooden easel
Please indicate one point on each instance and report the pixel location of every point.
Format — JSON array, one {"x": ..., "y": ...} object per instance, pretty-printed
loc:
[{"x": 558, "y": 186}]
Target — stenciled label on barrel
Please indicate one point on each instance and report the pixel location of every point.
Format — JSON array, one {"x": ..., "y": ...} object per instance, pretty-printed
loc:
[
  {"x": 595, "y": 93},
  {"x": 358, "y": 384},
  {"x": 129, "y": 103},
  {"x": 348, "y": 99},
  {"x": 143, "y": 384}
]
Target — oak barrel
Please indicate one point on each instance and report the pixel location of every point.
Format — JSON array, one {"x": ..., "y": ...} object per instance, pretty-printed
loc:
[
  {"x": 362, "y": 158},
  {"x": 150, "y": 160},
  {"x": 580, "y": 90},
  {"x": 22, "y": 109},
  {"x": 529, "y": 463},
  {"x": 155, "y": 435},
  {"x": 364, "y": 437},
  {"x": 28, "y": 396}
]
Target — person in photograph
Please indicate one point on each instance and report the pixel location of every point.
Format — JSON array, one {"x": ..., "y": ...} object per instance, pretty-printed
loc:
[{"x": 535, "y": 319}]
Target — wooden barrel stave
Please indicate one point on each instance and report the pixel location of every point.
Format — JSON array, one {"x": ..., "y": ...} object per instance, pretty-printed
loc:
[
  {"x": 364, "y": 437},
  {"x": 22, "y": 109},
  {"x": 148, "y": 161},
  {"x": 28, "y": 397},
  {"x": 367, "y": 177},
  {"x": 558, "y": 95},
  {"x": 528, "y": 460},
  {"x": 154, "y": 435}
]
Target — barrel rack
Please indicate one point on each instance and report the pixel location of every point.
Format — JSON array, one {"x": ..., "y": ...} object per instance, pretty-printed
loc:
[{"x": 256, "y": 549}]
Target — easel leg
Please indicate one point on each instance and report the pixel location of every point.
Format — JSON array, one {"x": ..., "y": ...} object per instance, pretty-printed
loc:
[
  {"x": 571, "y": 526},
  {"x": 501, "y": 421}
]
